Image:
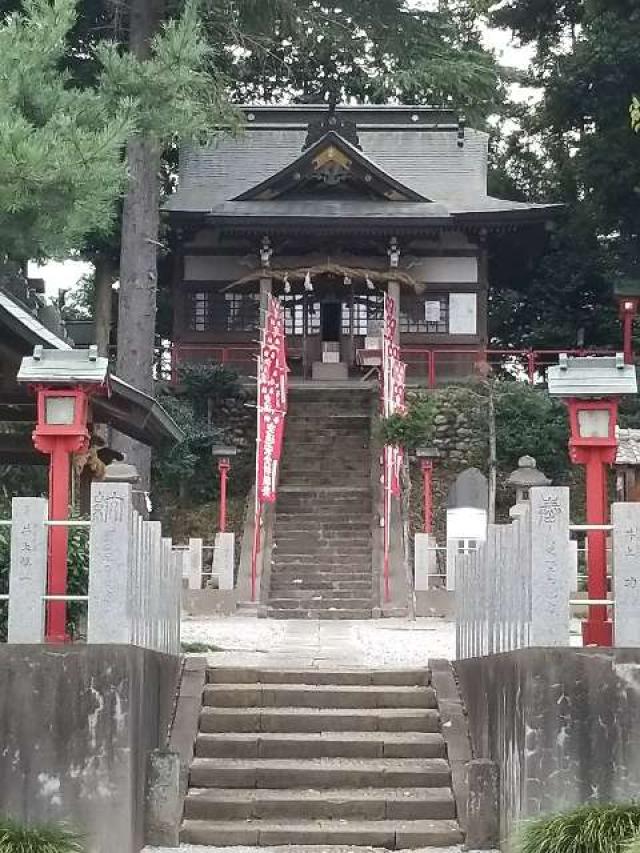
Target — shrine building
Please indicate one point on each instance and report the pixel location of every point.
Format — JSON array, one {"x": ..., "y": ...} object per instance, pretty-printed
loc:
[{"x": 330, "y": 209}]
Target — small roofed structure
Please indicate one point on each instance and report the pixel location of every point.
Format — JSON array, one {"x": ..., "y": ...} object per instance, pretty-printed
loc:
[
  {"x": 122, "y": 407},
  {"x": 591, "y": 377},
  {"x": 627, "y": 465}
]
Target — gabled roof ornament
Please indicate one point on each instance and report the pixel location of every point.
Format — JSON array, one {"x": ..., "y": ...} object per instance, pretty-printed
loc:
[{"x": 332, "y": 121}]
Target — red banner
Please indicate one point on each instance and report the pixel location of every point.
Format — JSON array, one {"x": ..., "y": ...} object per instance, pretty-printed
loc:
[{"x": 272, "y": 401}]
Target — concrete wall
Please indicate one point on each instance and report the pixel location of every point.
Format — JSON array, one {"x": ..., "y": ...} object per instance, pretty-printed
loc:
[
  {"x": 563, "y": 726},
  {"x": 77, "y": 724}
]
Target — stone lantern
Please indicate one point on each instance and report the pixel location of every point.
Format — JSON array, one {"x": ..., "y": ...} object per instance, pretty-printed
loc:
[{"x": 525, "y": 477}]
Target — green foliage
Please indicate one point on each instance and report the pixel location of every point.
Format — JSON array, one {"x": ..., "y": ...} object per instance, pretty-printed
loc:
[
  {"x": 597, "y": 828},
  {"x": 176, "y": 93},
  {"x": 62, "y": 134},
  {"x": 16, "y": 838},
  {"x": 374, "y": 51},
  {"x": 529, "y": 421},
  {"x": 61, "y": 166},
  {"x": 188, "y": 469},
  {"x": 573, "y": 145},
  {"x": 414, "y": 428}
]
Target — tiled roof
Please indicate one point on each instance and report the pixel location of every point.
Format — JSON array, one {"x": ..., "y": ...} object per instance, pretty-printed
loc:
[
  {"x": 426, "y": 158},
  {"x": 27, "y": 326},
  {"x": 628, "y": 452}
]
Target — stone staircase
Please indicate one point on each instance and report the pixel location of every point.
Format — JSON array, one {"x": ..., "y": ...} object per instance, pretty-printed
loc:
[
  {"x": 321, "y": 559},
  {"x": 318, "y": 757}
]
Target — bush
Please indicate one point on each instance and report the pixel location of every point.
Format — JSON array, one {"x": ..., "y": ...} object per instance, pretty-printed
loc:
[
  {"x": 597, "y": 828},
  {"x": 16, "y": 838}
]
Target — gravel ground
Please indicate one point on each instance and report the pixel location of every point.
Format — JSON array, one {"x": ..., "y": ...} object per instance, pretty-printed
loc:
[
  {"x": 374, "y": 642},
  {"x": 191, "y": 848}
]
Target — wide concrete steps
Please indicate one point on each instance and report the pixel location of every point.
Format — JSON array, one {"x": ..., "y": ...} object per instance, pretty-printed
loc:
[
  {"x": 321, "y": 804},
  {"x": 321, "y": 745},
  {"x": 390, "y": 834},
  {"x": 319, "y": 720},
  {"x": 320, "y": 757},
  {"x": 318, "y": 696}
]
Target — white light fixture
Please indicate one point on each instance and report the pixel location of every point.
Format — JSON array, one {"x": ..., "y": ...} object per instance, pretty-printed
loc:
[
  {"x": 594, "y": 423},
  {"x": 60, "y": 411}
]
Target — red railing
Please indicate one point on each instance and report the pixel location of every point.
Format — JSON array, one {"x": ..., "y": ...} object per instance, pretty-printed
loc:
[
  {"x": 241, "y": 357},
  {"x": 425, "y": 364},
  {"x": 437, "y": 366}
]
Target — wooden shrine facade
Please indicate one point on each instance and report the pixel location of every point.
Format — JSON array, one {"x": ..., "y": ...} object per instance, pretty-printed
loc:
[{"x": 328, "y": 211}]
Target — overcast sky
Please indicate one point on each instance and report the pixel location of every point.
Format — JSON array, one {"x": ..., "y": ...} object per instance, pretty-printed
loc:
[{"x": 65, "y": 275}]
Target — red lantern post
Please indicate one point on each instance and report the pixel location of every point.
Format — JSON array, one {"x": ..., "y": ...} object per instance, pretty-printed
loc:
[
  {"x": 61, "y": 431},
  {"x": 593, "y": 444},
  {"x": 591, "y": 387},
  {"x": 223, "y": 454},
  {"x": 427, "y": 456},
  {"x": 63, "y": 381}
]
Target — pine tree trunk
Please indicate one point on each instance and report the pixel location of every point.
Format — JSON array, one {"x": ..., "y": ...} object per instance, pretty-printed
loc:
[
  {"x": 104, "y": 278},
  {"x": 138, "y": 254}
]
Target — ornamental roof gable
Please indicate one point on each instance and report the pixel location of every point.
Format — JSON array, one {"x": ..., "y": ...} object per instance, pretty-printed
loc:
[{"x": 332, "y": 167}]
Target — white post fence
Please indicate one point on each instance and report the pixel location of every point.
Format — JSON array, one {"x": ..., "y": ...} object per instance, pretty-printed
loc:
[
  {"x": 191, "y": 561},
  {"x": 513, "y": 591},
  {"x": 134, "y": 584}
]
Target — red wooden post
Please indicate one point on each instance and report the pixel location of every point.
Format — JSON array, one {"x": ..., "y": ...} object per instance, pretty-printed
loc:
[
  {"x": 59, "y": 467},
  {"x": 531, "y": 365},
  {"x": 597, "y": 630},
  {"x": 427, "y": 492},
  {"x": 223, "y": 467},
  {"x": 431, "y": 368}
]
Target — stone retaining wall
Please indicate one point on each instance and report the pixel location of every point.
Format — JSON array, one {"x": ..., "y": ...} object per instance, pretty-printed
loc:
[
  {"x": 563, "y": 725},
  {"x": 77, "y": 725}
]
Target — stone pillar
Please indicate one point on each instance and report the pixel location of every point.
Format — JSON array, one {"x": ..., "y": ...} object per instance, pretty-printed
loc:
[
  {"x": 625, "y": 518},
  {"x": 111, "y": 544},
  {"x": 550, "y": 558},
  {"x": 28, "y": 570},
  {"x": 194, "y": 558},
  {"x": 483, "y": 806},
  {"x": 224, "y": 560},
  {"x": 425, "y": 560}
]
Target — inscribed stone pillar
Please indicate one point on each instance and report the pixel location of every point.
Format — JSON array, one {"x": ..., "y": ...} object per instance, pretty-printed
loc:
[
  {"x": 224, "y": 559},
  {"x": 194, "y": 557},
  {"x": 625, "y": 518},
  {"x": 28, "y": 570},
  {"x": 550, "y": 558},
  {"x": 111, "y": 597},
  {"x": 425, "y": 560}
]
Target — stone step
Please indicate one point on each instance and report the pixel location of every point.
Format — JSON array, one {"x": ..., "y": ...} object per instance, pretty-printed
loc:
[
  {"x": 321, "y": 745},
  {"x": 328, "y": 537},
  {"x": 297, "y": 525},
  {"x": 317, "y": 613},
  {"x": 319, "y": 576},
  {"x": 313, "y": 696},
  {"x": 320, "y": 602},
  {"x": 319, "y": 773},
  {"x": 321, "y": 550},
  {"x": 390, "y": 834},
  {"x": 282, "y": 578},
  {"x": 319, "y": 720},
  {"x": 414, "y": 677},
  {"x": 302, "y": 596},
  {"x": 349, "y": 565},
  {"x": 336, "y": 804},
  {"x": 299, "y": 588}
]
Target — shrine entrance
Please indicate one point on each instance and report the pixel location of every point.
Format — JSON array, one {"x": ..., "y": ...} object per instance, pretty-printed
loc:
[{"x": 326, "y": 328}]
